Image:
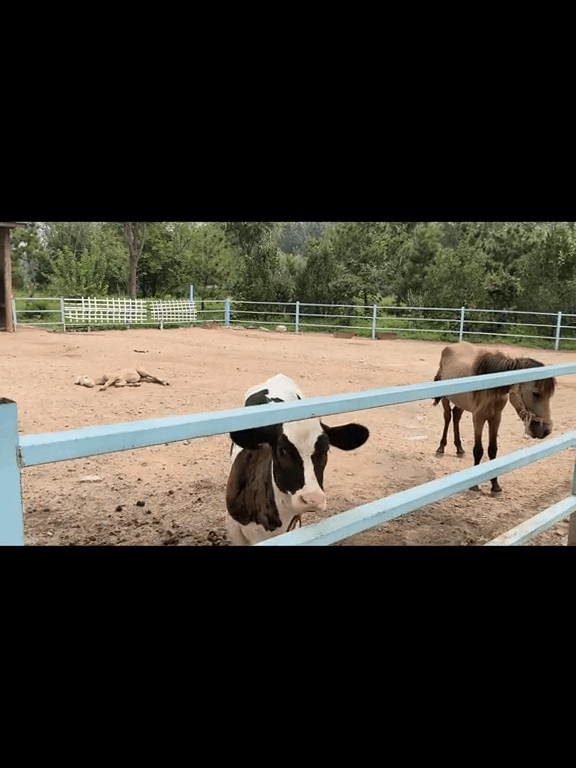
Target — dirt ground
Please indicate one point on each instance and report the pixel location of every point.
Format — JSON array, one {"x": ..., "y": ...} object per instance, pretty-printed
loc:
[{"x": 174, "y": 494}]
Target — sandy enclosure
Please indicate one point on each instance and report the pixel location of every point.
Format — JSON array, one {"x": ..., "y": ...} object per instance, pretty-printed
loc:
[{"x": 174, "y": 494}]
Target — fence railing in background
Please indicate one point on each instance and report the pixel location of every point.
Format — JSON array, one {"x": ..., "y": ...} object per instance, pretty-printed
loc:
[
  {"x": 369, "y": 320},
  {"x": 35, "y": 313},
  {"x": 17, "y": 452},
  {"x": 447, "y": 323}
]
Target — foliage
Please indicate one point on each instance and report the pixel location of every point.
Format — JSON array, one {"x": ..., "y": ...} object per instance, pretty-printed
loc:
[
  {"x": 208, "y": 263},
  {"x": 83, "y": 257},
  {"x": 30, "y": 261},
  {"x": 83, "y": 275},
  {"x": 495, "y": 265},
  {"x": 293, "y": 236}
]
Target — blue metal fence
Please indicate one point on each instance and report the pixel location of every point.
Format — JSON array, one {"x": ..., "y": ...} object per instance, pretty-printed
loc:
[
  {"x": 452, "y": 322},
  {"x": 17, "y": 452}
]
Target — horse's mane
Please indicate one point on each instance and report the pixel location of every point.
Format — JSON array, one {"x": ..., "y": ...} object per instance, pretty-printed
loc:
[{"x": 497, "y": 362}]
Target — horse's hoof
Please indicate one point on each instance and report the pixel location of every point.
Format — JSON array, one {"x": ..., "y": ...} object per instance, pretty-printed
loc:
[
  {"x": 440, "y": 452},
  {"x": 474, "y": 488},
  {"x": 497, "y": 490}
]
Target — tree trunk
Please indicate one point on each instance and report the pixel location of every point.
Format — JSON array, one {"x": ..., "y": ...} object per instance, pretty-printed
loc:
[{"x": 135, "y": 239}]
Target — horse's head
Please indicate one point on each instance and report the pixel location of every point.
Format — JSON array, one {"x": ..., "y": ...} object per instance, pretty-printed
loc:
[
  {"x": 532, "y": 403},
  {"x": 84, "y": 381}
]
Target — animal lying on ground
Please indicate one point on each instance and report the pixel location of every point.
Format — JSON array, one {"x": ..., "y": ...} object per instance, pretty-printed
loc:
[
  {"x": 530, "y": 399},
  {"x": 126, "y": 377},
  {"x": 277, "y": 472}
]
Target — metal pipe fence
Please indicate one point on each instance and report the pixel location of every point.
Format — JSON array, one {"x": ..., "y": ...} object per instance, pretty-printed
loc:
[
  {"x": 464, "y": 322},
  {"x": 445, "y": 323},
  {"x": 18, "y": 452}
]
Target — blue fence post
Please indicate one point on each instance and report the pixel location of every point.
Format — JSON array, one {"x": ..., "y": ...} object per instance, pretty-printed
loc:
[
  {"x": 11, "y": 511},
  {"x": 227, "y": 312},
  {"x": 297, "y": 317},
  {"x": 572, "y": 524},
  {"x": 462, "y": 313},
  {"x": 374, "y": 316},
  {"x": 558, "y": 329}
]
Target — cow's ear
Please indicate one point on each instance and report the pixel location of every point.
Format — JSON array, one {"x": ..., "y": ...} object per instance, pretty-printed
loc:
[
  {"x": 347, "y": 436},
  {"x": 252, "y": 438}
]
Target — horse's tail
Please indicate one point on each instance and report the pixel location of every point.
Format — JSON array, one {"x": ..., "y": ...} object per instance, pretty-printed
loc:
[{"x": 437, "y": 378}]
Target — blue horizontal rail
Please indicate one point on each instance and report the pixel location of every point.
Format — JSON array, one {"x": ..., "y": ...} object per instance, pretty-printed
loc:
[
  {"x": 90, "y": 441},
  {"x": 530, "y": 528},
  {"x": 368, "y": 515}
]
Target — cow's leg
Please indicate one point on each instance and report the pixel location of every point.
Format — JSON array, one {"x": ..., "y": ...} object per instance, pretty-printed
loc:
[
  {"x": 457, "y": 415},
  {"x": 479, "y": 421},
  {"x": 447, "y": 417},
  {"x": 493, "y": 425}
]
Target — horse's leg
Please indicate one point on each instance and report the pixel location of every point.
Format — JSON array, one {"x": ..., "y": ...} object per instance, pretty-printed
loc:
[
  {"x": 109, "y": 383},
  {"x": 145, "y": 375},
  {"x": 447, "y": 417},
  {"x": 493, "y": 425},
  {"x": 479, "y": 422},
  {"x": 457, "y": 415}
]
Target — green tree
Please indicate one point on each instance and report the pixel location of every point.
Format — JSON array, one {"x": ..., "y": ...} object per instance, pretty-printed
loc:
[
  {"x": 157, "y": 268},
  {"x": 82, "y": 274},
  {"x": 293, "y": 236},
  {"x": 97, "y": 246},
  {"x": 209, "y": 262},
  {"x": 30, "y": 261},
  {"x": 418, "y": 249},
  {"x": 135, "y": 232},
  {"x": 361, "y": 248},
  {"x": 258, "y": 259},
  {"x": 455, "y": 277},
  {"x": 321, "y": 280},
  {"x": 246, "y": 235},
  {"x": 548, "y": 270}
]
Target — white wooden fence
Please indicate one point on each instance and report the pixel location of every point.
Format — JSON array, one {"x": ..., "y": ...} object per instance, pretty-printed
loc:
[{"x": 88, "y": 312}]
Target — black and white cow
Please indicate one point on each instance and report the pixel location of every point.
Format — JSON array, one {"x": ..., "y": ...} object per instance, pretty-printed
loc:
[{"x": 278, "y": 471}]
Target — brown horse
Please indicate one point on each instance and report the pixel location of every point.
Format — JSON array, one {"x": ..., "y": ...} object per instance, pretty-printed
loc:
[{"x": 530, "y": 399}]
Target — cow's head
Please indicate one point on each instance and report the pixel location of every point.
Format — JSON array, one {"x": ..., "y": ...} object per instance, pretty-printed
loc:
[{"x": 299, "y": 455}]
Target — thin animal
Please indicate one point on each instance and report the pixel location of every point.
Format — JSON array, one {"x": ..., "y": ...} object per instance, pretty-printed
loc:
[
  {"x": 531, "y": 399},
  {"x": 126, "y": 377},
  {"x": 277, "y": 472}
]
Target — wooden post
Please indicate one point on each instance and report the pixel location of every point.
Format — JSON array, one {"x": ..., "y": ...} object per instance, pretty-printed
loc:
[
  {"x": 572, "y": 530},
  {"x": 6, "y": 319}
]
